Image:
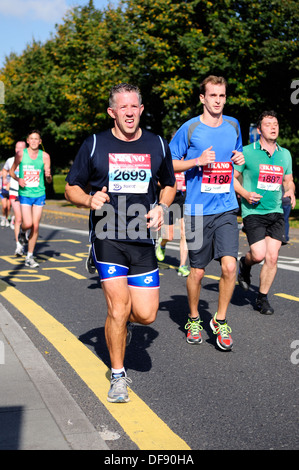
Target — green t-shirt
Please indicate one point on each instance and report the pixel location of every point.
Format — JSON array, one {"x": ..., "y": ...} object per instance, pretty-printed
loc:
[
  {"x": 263, "y": 174},
  {"x": 32, "y": 171}
]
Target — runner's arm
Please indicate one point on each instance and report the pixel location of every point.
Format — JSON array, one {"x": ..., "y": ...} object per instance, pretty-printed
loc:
[
  {"x": 16, "y": 163},
  {"x": 289, "y": 188},
  {"x": 4, "y": 177},
  {"x": 251, "y": 197},
  {"x": 47, "y": 167},
  {"x": 156, "y": 215},
  {"x": 78, "y": 197},
  {"x": 167, "y": 195},
  {"x": 207, "y": 156}
]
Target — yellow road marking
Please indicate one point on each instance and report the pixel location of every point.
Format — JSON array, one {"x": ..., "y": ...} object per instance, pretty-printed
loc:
[
  {"x": 61, "y": 258},
  {"x": 166, "y": 265},
  {"x": 25, "y": 275},
  {"x": 66, "y": 270},
  {"x": 289, "y": 297},
  {"x": 141, "y": 424},
  {"x": 67, "y": 214},
  {"x": 58, "y": 240}
]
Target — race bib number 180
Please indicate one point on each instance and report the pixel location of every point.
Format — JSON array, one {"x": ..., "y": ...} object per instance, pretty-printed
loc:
[{"x": 129, "y": 173}]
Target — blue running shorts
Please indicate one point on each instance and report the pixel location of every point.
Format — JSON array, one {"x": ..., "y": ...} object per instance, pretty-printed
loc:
[
  {"x": 120, "y": 259},
  {"x": 32, "y": 201}
]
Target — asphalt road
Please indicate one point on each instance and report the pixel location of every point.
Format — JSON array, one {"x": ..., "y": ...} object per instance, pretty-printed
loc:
[{"x": 246, "y": 399}]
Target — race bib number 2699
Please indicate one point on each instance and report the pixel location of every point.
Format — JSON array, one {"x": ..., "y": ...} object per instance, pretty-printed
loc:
[{"x": 129, "y": 173}]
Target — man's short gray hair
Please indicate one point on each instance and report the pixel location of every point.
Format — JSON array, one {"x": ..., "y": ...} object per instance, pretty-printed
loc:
[{"x": 123, "y": 88}]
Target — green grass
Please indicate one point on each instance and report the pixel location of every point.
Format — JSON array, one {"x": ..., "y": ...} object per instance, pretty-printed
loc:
[
  {"x": 59, "y": 185},
  {"x": 294, "y": 217}
]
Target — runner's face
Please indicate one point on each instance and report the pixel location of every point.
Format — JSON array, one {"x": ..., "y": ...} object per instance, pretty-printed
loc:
[
  {"x": 214, "y": 99},
  {"x": 19, "y": 146},
  {"x": 34, "y": 141},
  {"x": 269, "y": 128},
  {"x": 126, "y": 113}
]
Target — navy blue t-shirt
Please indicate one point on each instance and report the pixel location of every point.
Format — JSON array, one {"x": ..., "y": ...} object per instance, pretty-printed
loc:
[{"x": 130, "y": 171}]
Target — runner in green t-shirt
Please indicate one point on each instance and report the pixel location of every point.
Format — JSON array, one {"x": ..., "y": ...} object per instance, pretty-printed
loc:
[
  {"x": 34, "y": 167},
  {"x": 267, "y": 168}
]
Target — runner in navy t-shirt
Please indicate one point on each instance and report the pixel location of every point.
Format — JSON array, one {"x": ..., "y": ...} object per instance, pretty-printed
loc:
[{"x": 122, "y": 167}]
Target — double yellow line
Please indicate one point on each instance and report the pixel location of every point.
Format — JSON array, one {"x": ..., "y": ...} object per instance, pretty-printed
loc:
[{"x": 141, "y": 424}]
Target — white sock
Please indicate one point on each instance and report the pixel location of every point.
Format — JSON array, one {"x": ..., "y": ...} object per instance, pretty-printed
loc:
[{"x": 118, "y": 371}]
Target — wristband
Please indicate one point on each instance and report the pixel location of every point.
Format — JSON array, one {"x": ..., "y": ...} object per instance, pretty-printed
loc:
[
  {"x": 197, "y": 163},
  {"x": 164, "y": 207}
]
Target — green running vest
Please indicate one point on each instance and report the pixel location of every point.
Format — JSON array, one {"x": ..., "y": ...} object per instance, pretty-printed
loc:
[{"x": 32, "y": 171}]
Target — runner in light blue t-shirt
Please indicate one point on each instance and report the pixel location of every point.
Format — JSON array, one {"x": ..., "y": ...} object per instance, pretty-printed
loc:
[
  {"x": 210, "y": 184},
  {"x": 206, "y": 149}
]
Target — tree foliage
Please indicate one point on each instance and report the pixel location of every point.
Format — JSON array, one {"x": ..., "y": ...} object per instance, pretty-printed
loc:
[{"x": 166, "y": 47}]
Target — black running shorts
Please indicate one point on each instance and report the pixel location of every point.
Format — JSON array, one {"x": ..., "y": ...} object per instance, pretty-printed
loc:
[{"x": 257, "y": 227}]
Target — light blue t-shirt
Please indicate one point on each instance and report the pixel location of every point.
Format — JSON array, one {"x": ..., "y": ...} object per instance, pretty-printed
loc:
[{"x": 210, "y": 188}]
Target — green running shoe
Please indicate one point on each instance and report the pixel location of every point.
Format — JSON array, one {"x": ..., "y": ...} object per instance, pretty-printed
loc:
[
  {"x": 194, "y": 331},
  {"x": 160, "y": 251},
  {"x": 224, "y": 339},
  {"x": 183, "y": 271}
]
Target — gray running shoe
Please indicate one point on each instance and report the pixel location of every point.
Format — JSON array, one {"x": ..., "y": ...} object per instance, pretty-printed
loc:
[
  {"x": 19, "y": 250},
  {"x": 118, "y": 392},
  {"x": 22, "y": 237},
  {"x": 31, "y": 263}
]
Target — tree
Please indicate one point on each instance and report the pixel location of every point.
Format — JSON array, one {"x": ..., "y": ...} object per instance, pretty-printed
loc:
[{"x": 166, "y": 47}]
